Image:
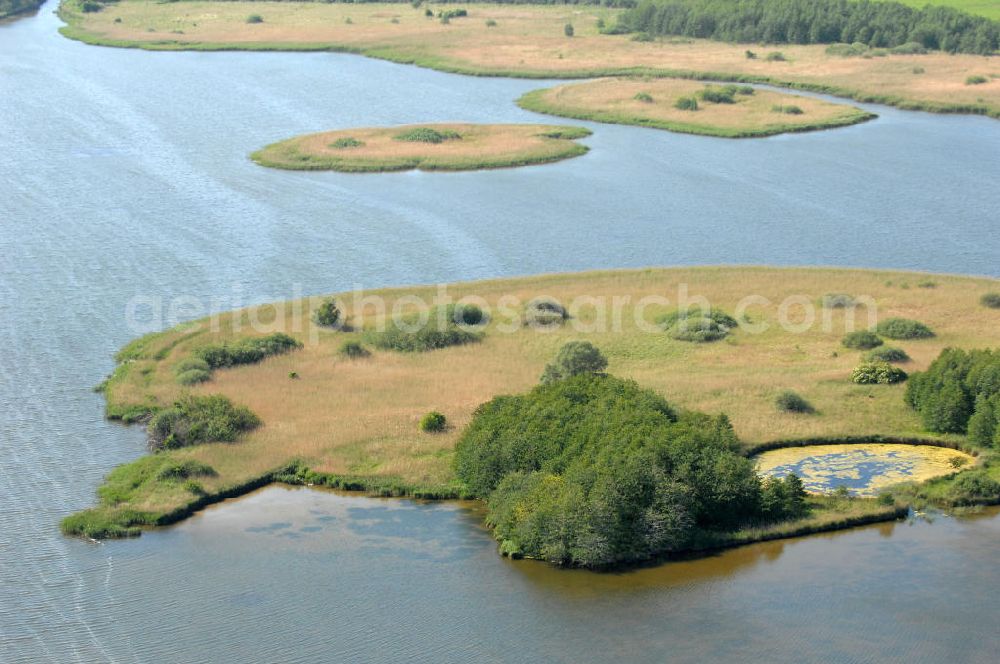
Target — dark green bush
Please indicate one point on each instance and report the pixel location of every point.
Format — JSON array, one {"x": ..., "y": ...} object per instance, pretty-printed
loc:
[
  {"x": 346, "y": 142},
  {"x": 644, "y": 97},
  {"x": 877, "y": 373},
  {"x": 327, "y": 314},
  {"x": 593, "y": 471},
  {"x": 490, "y": 23},
  {"x": 433, "y": 422},
  {"x": 199, "y": 419},
  {"x": 973, "y": 487},
  {"x": 248, "y": 350},
  {"x": 783, "y": 498},
  {"x": 698, "y": 330},
  {"x": 686, "y": 104},
  {"x": 427, "y": 135},
  {"x": 990, "y": 300},
  {"x": 791, "y": 402},
  {"x": 573, "y": 359},
  {"x": 89, "y": 7},
  {"x": 255, "y": 18},
  {"x": 193, "y": 377},
  {"x": 903, "y": 328},
  {"x": 750, "y": 55},
  {"x": 191, "y": 364},
  {"x": 861, "y": 340},
  {"x": 468, "y": 315},
  {"x": 353, "y": 350},
  {"x": 718, "y": 95},
  {"x": 887, "y": 354},
  {"x": 568, "y": 30},
  {"x": 776, "y": 56},
  {"x": 976, "y": 80},
  {"x": 454, "y": 13}
]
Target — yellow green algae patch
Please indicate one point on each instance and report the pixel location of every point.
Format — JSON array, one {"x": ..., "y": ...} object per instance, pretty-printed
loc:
[{"x": 864, "y": 469}]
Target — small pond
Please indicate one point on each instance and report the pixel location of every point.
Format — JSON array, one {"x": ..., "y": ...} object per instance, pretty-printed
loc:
[{"x": 863, "y": 468}]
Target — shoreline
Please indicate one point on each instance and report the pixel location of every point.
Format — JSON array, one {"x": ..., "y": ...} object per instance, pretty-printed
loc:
[{"x": 449, "y": 64}]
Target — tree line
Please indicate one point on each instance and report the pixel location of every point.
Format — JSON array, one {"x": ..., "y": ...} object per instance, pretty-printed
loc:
[
  {"x": 11, "y": 7},
  {"x": 874, "y": 23}
]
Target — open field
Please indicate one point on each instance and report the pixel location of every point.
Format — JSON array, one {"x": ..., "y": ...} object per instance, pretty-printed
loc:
[
  {"x": 528, "y": 41},
  {"x": 358, "y": 419},
  {"x": 651, "y": 102},
  {"x": 380, "y": 149}
]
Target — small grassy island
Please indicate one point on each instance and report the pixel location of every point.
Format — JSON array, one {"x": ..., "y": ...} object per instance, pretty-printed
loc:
[
  {"x": 438, "y": 147},
  {"x": 636, "y": 404},
  {"x": 729, "y": 111},
  {"x": 883, "y": 65}
]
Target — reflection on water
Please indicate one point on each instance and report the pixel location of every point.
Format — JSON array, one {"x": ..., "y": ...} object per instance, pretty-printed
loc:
[{"x": 863, "y": 469}]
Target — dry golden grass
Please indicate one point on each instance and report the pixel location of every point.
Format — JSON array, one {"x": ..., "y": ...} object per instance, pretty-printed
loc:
[
  {"x": 615, "y": 100},
  {"x": 477, "y": 146},
  {"x": 360, "y": 416},
  {"x": 527, "y": 41}
]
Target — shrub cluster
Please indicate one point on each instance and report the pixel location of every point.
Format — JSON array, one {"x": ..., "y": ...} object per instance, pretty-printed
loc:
[
  {"x": 192, "y": 371},
  {"x": 903, "y": 328},
  {"x": 686, "y": 104},
  {"x": 255, "y": 18},
  {"x": 959, "y": 393},
  {"x": 427, "y": 135},
  {"x": 594, "y": 471},
  {"x": 861, "y": 340},
  {"x": 838, "y": 301},
  {"x": 410, "y": 336},
  {"x": 877, "y": 373},
  {"x": 644, "y": 97},
  {"x": 248, "y": 350},
  {"x": 990, "y": 300},
  {"x": 199, "y": 419},
  {"x": 353, "y": 350},
  {"x": 788, "y": 109},
  {"x": 544, "y": 312},
  {"x": 791, "y": 402},
  {"x": 327, "y": 314},
  {"x": 887, "y": 354},
  {"x": 573, "y": 359},
  {"x": 874, "y": 24},
  {"x": 346, "y": 142},
  {"x": 433, "y": 422},
  {"x": 697, "y": 325}
]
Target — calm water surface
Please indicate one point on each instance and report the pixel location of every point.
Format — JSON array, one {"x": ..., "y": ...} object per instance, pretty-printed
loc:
[{"x": 124, "y": 173}]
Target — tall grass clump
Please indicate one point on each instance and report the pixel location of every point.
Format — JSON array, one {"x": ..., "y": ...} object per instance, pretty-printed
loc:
[
  {"x": 644, "y": 97},
  {"x": 427, "y": 135},
  {"x": 199, "y": 419},
  {"x": 838, "y": 301},
  {"x": 346, "y": 142},
  {"x": 249, "y": 350},
  {"x": 353, "y": 350},
  {"x": 976, "y": 80},
  {"x": 686, "y": 104},
  {"x": 409, "y": 335},
  {"x": 788, "y": 109},
  {"x": 255, "y": 18},
  {"x": 903, "y": 328},
  {"x": 697, "y": 325}
]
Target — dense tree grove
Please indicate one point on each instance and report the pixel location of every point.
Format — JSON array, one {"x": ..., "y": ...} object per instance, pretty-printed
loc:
[
  {"x": 11, "y": 7},
  {"x": 959, "y": 393},
  {"x": 875, "y": 23},
  {"x": 593, "y": 470}
]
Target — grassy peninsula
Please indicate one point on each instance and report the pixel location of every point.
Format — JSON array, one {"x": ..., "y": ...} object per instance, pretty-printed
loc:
[
  {"x": 332, "y": 400},
  {"x": 438, "y": 147},
  {"x": 531, "y": 41},
  {"x": 691, "y": 107}
]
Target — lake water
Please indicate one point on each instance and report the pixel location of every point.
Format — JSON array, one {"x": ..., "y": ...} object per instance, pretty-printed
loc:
[{"x": 124, "y": 173}]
